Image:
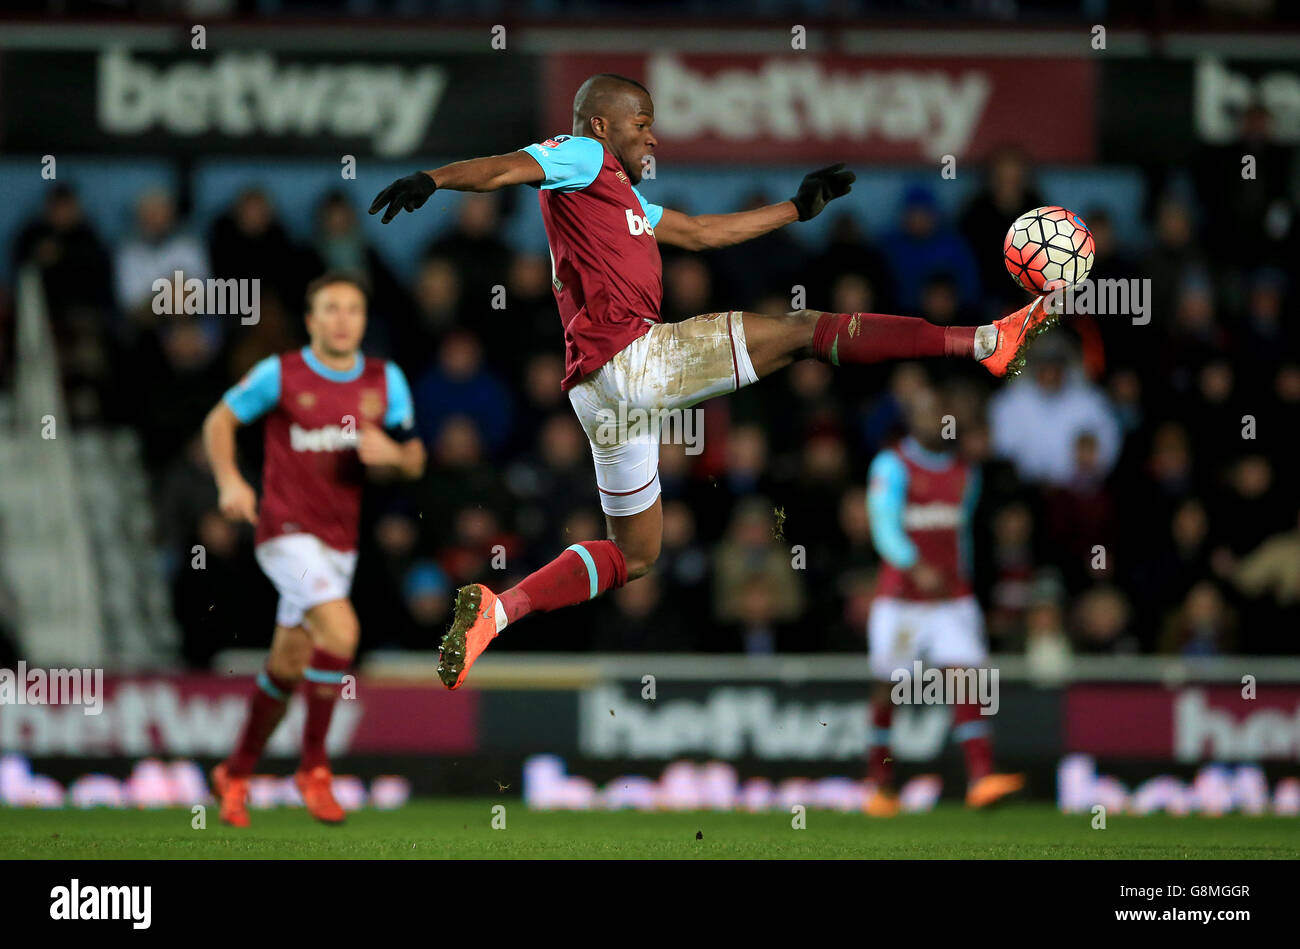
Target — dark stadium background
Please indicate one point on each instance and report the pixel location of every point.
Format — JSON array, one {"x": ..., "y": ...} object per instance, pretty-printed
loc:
[{"x": 1201, "y": 527}]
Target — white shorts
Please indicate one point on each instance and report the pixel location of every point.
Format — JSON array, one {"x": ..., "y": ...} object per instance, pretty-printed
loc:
[
  {"x": 672, "y": 367},
  {"x": 305, "y": 573},
  {"x": 940, "y": 633}
]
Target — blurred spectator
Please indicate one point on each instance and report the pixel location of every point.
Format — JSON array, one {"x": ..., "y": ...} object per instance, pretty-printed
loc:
[
  {"x": 460, "y": 384},
  {"x": 852, "y": 256},
  {"x": 1006, "y": 194},
  {"x": 748, "y": 553},
  {"x": 1202, "y": 626},
  {"x": 1047, "y": 646},
  {"x": 771, "y": 264},
  {"x": 67, "y": 252},
  {"x": 1174, "y": 255},
  {"x": 249, "y": 242},
  {"x": 1036, "y": 420},
  {"x": 337, "y": 244},
  {"x": 1271, "y": 573},
  {"x": 427, "y": 594},
  {"x": 1102, "y": 622},
  {"x": 1080, "y": 517},
  {"x": 476, "y": 251},
  {"x": 923, "y": 245},
  {"x": 1249, "y": 214},
  {"x": 157, "y": 250},
  {"x": 1014, "y": 565},
  {"x": 688, "y": 289}
]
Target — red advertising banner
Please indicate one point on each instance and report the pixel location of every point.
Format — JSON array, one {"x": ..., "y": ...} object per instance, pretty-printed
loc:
[
  {"x": 202, "y": 715},
  {"x": 1189, "y": 723},
  {"x": 801, "y": 106}
]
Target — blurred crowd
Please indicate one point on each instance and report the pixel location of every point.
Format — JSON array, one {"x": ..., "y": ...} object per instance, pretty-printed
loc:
[{"x": 1140, "y": 491}]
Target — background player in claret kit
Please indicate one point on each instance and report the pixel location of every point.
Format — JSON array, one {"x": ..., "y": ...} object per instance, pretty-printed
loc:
[
  {"x": 331, "y": 414},
  {"x": 606, "y": 276},
  {"x": 920, "y": 498}
]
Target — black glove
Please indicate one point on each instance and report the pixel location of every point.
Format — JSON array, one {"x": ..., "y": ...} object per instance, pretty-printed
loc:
[
  {"x": 409, "y": 193},
  {"x": 821, "y": 186}
]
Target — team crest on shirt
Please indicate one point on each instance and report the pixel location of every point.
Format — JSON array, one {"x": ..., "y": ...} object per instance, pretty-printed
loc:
[
  {"x": 306, "y": 399},
  {"x": 372, "y": 403}
]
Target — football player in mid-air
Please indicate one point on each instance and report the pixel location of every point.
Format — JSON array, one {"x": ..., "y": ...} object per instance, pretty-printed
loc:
[
  {"x": 604, "y": 240},
  {"x": 331, "y": 415},
  {"x": 920, "y": 498}
]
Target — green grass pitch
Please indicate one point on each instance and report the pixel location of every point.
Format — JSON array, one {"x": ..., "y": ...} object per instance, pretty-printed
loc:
[{"x": 462, "y": 828}]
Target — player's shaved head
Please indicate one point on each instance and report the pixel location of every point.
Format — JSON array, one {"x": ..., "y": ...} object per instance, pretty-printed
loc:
[
  {"x": 607, "y": 95},
  {"x": 617, "y": 112}
]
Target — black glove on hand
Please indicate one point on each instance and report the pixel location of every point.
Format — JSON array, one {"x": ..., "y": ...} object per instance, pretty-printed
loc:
[
  {"x": 406, "y": 193},
  {"x": 821, "y": 186}
]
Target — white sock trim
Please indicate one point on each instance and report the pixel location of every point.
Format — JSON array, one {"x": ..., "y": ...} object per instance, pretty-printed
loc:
[{"x": 744, "y": 364}]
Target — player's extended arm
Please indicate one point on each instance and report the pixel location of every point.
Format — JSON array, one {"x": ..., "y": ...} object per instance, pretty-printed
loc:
[
  {"x": 707, "y": 231},
  {"x": 236, "y": 497},
  {"x": 474, "y": 174}
]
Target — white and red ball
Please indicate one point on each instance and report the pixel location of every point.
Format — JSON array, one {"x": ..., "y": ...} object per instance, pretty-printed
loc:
[{"x": 1048, "y": 248}]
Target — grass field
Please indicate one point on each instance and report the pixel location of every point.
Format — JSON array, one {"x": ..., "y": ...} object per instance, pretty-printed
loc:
[{"x": 449, "y": 828}]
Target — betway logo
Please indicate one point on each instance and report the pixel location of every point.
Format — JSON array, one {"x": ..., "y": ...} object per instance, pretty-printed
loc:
[
  {"x": 737, "y": 721},
  {"x": 243, "y": 94},
  {"x": 638, "y": 224},
  {"x": 933, "y": 516},
  {"x": 328, "y": 438},
  {"x": 796, "y": 101},
  {"x": 1221, "y": 93},
  {"x": 144, "y": 718},
  {"x": 1204, "y": 732}
]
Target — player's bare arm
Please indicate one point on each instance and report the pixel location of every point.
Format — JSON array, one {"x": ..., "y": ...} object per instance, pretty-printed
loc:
[
  {"x": 710, "y": 231},
  {"x": 490, "y": 173},
  {"x": 236, "y": 498}
]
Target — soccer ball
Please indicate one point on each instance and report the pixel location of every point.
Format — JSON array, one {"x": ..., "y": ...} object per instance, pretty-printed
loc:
[{"x": 1048, "y": 249}]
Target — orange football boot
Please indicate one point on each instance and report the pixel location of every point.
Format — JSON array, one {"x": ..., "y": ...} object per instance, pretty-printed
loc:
[
  {"x": 881, "y": 803},
  {"x": 993, "y": 788},
  {"x": 233, "y": 795},
  {"x": 1015, "y": 333},
  {"x": 317, "y": 789},
  {"x": 472, "y": 628}
]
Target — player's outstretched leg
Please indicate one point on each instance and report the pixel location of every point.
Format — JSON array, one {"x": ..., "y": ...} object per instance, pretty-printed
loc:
[
  {"x": 583, "y": 572},
  {"x": 335, "y": 633},
  {"x": 275, "y": 683},
  {"x": 844, "y": 339}
]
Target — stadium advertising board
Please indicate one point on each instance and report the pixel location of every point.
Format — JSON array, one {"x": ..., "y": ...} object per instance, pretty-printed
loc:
[
  {"x": 1190, "y": 103},
  {"x": 1186, "y": 724},
  {"x": 202, "y": 715},
  {"x": 801, "y": 107},
  {"x": 265, "y": 101}
]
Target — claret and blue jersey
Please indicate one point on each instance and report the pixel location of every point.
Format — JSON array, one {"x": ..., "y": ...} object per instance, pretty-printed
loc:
[
  {"x": 921, "y": 504},
  {"x": 311, "y": 476},
  {"x": 605, "y": 266}
]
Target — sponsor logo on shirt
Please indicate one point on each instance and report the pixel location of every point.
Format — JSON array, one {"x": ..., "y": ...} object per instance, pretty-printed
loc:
[
  {"x": 327, "y": 438},
  {"x": 638, "y": 224},
  {"x": 935, "y": 516}
]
